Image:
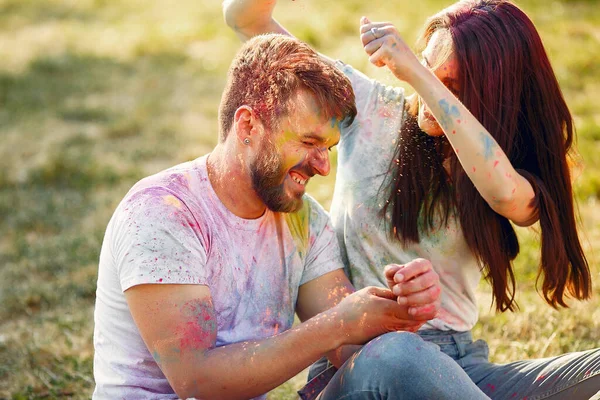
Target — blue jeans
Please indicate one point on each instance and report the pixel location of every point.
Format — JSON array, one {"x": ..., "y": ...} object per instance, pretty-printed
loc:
[{"x": 449, "y": 365}]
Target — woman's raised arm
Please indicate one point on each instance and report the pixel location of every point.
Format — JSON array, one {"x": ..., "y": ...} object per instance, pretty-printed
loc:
[{"x": 251, "y": 17}]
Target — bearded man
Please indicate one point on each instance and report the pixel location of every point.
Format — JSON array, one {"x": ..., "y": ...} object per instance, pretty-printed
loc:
[{"x": 203, "y": 265}]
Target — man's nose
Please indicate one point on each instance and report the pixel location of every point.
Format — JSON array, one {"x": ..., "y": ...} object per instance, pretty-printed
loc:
[{"x": 319, "y": 160}]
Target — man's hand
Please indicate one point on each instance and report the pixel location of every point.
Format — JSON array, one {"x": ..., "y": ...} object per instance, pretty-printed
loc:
[
  {"x": 373, "y": 311},
  {"x": 417, "y": 286}
]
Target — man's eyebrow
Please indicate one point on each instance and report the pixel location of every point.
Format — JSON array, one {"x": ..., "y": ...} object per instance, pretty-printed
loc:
[{"x": 313, "y": 136}]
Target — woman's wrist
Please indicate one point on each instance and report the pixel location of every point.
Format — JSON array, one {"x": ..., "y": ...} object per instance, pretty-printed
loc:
[{"x": 419, "y": 77}]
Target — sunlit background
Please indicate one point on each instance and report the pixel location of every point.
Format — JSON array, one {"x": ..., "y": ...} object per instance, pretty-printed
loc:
[{"x": 95, "y": 94}]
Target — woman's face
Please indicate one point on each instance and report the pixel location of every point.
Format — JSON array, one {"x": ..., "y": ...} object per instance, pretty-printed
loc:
[{"x": 443, "y": 64}]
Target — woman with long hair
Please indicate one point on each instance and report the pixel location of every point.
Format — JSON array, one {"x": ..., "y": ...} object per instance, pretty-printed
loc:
[{"x": 441, "y": 175}]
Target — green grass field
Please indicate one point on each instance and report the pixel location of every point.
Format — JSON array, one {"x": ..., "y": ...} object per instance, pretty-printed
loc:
[{"x": 95, "y": 94}]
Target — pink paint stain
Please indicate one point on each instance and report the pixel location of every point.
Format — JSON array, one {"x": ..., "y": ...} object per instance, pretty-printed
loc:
[
  {"x": 496, "y": 163},
  {"x": 199, "y": 330},
  {"x": 474, "y": 169},
  {"x": 454, "y": 132},
  {"x": 193, "y": 336}
]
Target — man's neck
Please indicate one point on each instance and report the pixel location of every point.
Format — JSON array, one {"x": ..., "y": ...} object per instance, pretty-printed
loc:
[{"x": 231, "y": 182}]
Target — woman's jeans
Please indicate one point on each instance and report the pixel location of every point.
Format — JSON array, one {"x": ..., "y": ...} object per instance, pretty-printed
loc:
[{"x": 449, "y": 365}]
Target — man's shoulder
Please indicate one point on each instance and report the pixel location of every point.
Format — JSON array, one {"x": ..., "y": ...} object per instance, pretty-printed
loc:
[
  {"x": 179, "y": 193},
  {"x": 185, "y": 182}
]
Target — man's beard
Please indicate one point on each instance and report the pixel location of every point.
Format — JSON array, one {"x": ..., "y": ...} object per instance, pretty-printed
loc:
[{"x": 268, "y": 181}]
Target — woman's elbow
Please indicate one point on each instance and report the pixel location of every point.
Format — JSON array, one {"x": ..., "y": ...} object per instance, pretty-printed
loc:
[{"x": 229, "y": 14}]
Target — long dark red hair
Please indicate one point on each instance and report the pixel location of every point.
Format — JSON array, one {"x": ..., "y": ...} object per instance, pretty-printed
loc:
[{"x": 508, "y": 84}]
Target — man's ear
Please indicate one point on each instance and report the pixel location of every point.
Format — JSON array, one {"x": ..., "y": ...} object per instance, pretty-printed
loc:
[{"x": 246, "y": 125}]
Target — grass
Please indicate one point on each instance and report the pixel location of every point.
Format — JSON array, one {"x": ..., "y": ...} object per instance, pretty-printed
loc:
[{"x": 96, "y": 94}]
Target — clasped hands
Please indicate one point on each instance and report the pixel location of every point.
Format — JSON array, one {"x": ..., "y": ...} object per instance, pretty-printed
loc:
[{"x": 412, "y": 299}]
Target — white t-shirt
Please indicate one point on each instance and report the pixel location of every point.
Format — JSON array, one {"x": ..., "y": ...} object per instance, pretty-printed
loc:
[
  {"x": 172, "y": 228},
  {"x": 365, "y": 152}
]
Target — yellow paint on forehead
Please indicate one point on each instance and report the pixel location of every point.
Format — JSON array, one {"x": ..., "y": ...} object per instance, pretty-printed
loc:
[{"x": 172, "y": 201}]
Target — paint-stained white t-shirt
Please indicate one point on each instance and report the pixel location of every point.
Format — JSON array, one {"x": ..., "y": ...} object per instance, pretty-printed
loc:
[
  {"x": 171, "y": 228},
  {"x": 365, "y": 152}
]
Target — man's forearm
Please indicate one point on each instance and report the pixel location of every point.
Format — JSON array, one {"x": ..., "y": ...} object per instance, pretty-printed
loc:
[{"x": 252, "y": 368}]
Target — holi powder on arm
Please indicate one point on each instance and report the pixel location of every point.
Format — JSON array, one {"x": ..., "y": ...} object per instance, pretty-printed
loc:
[
  {"x": 489, "y": 145},
  {"x": 198, "y": 329},
  {"x": 448, "y": 113}
]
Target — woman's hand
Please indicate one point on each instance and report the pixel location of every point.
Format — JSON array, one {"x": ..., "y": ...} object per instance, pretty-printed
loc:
[
  {"x": 416, "y": 284},
  {"x": 385, "y": 47}
]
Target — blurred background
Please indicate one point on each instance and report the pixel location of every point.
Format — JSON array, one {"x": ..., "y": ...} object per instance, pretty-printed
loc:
[{"x": 96, "y": 94}]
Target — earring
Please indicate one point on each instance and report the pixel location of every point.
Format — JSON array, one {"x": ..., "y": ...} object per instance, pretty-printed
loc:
[{"x": 246, "y": 141}]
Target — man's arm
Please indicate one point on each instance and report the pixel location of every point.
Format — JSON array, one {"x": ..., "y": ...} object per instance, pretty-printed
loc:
[{"x": 179, "y": 326}]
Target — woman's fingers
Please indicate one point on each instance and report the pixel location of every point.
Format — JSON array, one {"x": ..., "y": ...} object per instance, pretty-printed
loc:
[
  {"x": 422, "y": 282},
  {"x": 373, "y": 46},
  {"x": 424, "y": 313},
  {"x": 389, "y": 271},
  {"x": 378, "y": 58},
  {"x": 374, "y": 31},
  {"x": 421, "y": 298},
  {"x": 413, "y": 269},
  {"x": 365, "y": 27}
]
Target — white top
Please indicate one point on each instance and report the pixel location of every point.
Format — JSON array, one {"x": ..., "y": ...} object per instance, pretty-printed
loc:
[
  {"x": 364, "y": 155},
  {"x": 172, "y": 228}
]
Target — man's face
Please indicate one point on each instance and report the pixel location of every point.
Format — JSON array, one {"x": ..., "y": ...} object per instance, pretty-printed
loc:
[{"x": 296, "y": 150}]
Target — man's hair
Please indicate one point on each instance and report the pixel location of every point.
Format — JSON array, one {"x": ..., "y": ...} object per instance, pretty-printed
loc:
[{"x": 269, "y": 69}]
